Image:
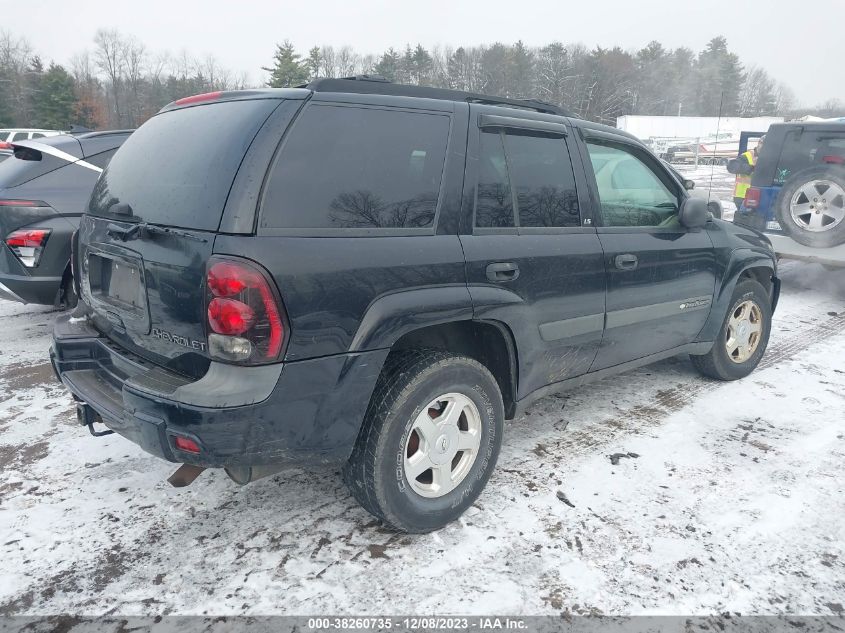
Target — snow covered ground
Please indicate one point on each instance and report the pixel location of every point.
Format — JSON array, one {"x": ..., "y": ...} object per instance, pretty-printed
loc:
[{"x": 717, "y": 497}]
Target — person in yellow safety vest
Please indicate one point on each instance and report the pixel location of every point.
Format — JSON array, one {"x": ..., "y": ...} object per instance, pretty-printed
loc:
[{"x": 743, "y": 182}]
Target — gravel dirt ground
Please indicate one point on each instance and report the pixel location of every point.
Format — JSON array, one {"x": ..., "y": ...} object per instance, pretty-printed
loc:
[{"x": 655, "y": 492}]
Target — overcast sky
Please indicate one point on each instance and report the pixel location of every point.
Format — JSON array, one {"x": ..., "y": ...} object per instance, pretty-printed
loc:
[{"x": 799, "y": 45}]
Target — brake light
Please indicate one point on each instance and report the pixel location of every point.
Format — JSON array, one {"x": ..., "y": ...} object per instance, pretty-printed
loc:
[
  {"x": 245, "y": 315},
  {"x": 230, "y": 317},
  {"x": 207, "y": 96},
  {"x": 22, "y": 203},
  {"x": 27, "y": 245},
  {"x": 752, "y": 198},
  {"x": 834, "y": 160},
  {"x": 186, "y": 444},
  {"x": 5, "y": 145}
]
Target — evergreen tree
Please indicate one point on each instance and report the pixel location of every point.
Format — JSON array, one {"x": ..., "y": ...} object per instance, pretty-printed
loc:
[
  {"x": 719, "y": 79},
  {"x": 405, "y": 67},
  {"x": 388, "y": 65},
  {"x": 521, "y": 71},
  {"x": 495, "y": 71},
  {"x": 55, "y": 106},
  {"x": 421, "y": 65},
  {"x": 314, "y": 62},
  {"x": 652, "y": 64},
  {"x": 287, "y": 70}
]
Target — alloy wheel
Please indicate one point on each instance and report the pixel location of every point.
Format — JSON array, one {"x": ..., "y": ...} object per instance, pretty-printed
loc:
[
  {"x": 443, "y": 445},
  {"x": 818, "y": 205},
  {"x": 745, "y": 328}
]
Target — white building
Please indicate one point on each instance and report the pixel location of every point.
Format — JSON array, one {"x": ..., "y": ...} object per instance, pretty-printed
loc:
[{"x": 646, "y": 127}]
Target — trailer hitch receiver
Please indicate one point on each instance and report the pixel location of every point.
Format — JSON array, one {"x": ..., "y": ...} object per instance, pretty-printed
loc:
[{"x": 86, "y": 416}]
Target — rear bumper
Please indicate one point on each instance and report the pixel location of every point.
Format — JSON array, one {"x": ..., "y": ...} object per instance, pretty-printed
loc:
[
  {"x": 788, "y": 248},
  {"x": 306, "y": 412},
  {"x": 25, "y": 289}
]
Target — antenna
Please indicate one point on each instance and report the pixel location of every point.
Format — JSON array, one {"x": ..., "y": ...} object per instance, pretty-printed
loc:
[{"x": 715, "y": 146}]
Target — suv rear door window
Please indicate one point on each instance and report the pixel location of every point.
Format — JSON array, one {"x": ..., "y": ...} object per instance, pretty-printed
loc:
[
  {"x": 346, "y": 167},
  {"x": 178, "y": 167},
  {"x": 545, "y": 184},
  {"x": 539, "y": 169},
  {"x": 494, "y": 200}
]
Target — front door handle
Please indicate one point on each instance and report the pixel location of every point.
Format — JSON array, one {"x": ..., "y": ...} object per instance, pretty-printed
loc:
[
  {"x": 626, "y": 261},
  {"x": 502, "y": 271}
]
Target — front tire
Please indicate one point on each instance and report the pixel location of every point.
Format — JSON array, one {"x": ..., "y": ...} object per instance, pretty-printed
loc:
[
  {"x": 429, "y": 442},
  {"x": 743, "y": 337}
]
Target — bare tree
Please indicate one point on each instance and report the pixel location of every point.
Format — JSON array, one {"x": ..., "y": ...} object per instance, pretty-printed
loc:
[
  {"x": 348, "y": 62},
  {"x": 135, "y": 63},
  {"x": 109, "y": 56}
]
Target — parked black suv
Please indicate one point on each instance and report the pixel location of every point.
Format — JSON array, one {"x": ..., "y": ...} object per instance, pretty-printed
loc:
[
  {"x": 44, "y": 189},
  {"x": 377, "y": 276}
]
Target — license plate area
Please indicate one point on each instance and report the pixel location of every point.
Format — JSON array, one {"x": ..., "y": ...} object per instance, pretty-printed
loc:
[
  {"x": 116, "y": 281},
  {"x": 114, "y": 284}
]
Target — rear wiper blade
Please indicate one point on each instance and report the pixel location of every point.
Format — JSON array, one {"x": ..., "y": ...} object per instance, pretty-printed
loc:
[
  {"x": 124, "y": 234},
  {"x": 165, "y": 230}
]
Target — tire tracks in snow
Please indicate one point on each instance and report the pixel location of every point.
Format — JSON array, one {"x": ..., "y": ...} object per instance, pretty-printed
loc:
[{"x": 593, "y": 436}]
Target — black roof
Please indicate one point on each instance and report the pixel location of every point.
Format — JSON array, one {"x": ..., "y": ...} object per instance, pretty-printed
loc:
[{"x": 374, "y": 84}]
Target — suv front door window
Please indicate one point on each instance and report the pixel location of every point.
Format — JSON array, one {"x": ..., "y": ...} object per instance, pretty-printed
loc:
[
  {"x": 660, "y": 276},
  {"x": 631, "y": 193}
]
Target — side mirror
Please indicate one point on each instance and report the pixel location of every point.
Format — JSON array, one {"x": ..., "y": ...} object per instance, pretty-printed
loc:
[
  {"x": 689, "y": 185},
  {"x": 694, "y": 213}
]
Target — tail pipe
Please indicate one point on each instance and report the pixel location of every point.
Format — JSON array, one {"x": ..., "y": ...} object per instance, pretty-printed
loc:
[{"x": 247, "y": 474}]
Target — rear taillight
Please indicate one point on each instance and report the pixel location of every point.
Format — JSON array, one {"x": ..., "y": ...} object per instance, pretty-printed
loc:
[
  {"x": 752, "y": 198},
  {"x": 833, "y": 160},
  {"x": 246, "y": 320},
  {"x": 27, "y": 245},
  {"x": 4, "y": 145}
]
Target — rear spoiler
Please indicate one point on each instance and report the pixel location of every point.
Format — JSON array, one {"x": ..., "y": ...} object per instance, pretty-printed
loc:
[{"x": 43, "y": 148}]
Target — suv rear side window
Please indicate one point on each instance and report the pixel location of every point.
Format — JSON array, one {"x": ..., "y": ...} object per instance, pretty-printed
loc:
[
  {"x": 348, "y": 167},
  {"x": 493, "y": 201},
  {"x": 178, "y": 167},
  {"x": 545, "y": 184},
  {"x": 804, "y": 148},
  {"x": 539, "y": 169}
]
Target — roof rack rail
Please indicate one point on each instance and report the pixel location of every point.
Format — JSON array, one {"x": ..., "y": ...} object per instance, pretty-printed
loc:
[{"x": 376, "y": 84}]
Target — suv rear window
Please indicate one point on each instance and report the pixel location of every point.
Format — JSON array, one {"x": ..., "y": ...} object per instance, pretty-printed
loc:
[
  {"x": 346, "y": 167},
  {"x": 178, "y": 167}
]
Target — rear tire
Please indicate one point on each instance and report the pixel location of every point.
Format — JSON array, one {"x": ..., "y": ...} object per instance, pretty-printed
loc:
[
  {"x": 738, "y": 349},
  {"x": 809, "y": 216},
  {"x": 68, "y": 298},
  {"x": 404, "y": 425}
]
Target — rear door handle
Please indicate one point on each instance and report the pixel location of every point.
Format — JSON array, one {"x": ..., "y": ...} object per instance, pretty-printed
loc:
[
  {"x": 502, "y": 271},
  {"x": 626, "y": 261}
]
